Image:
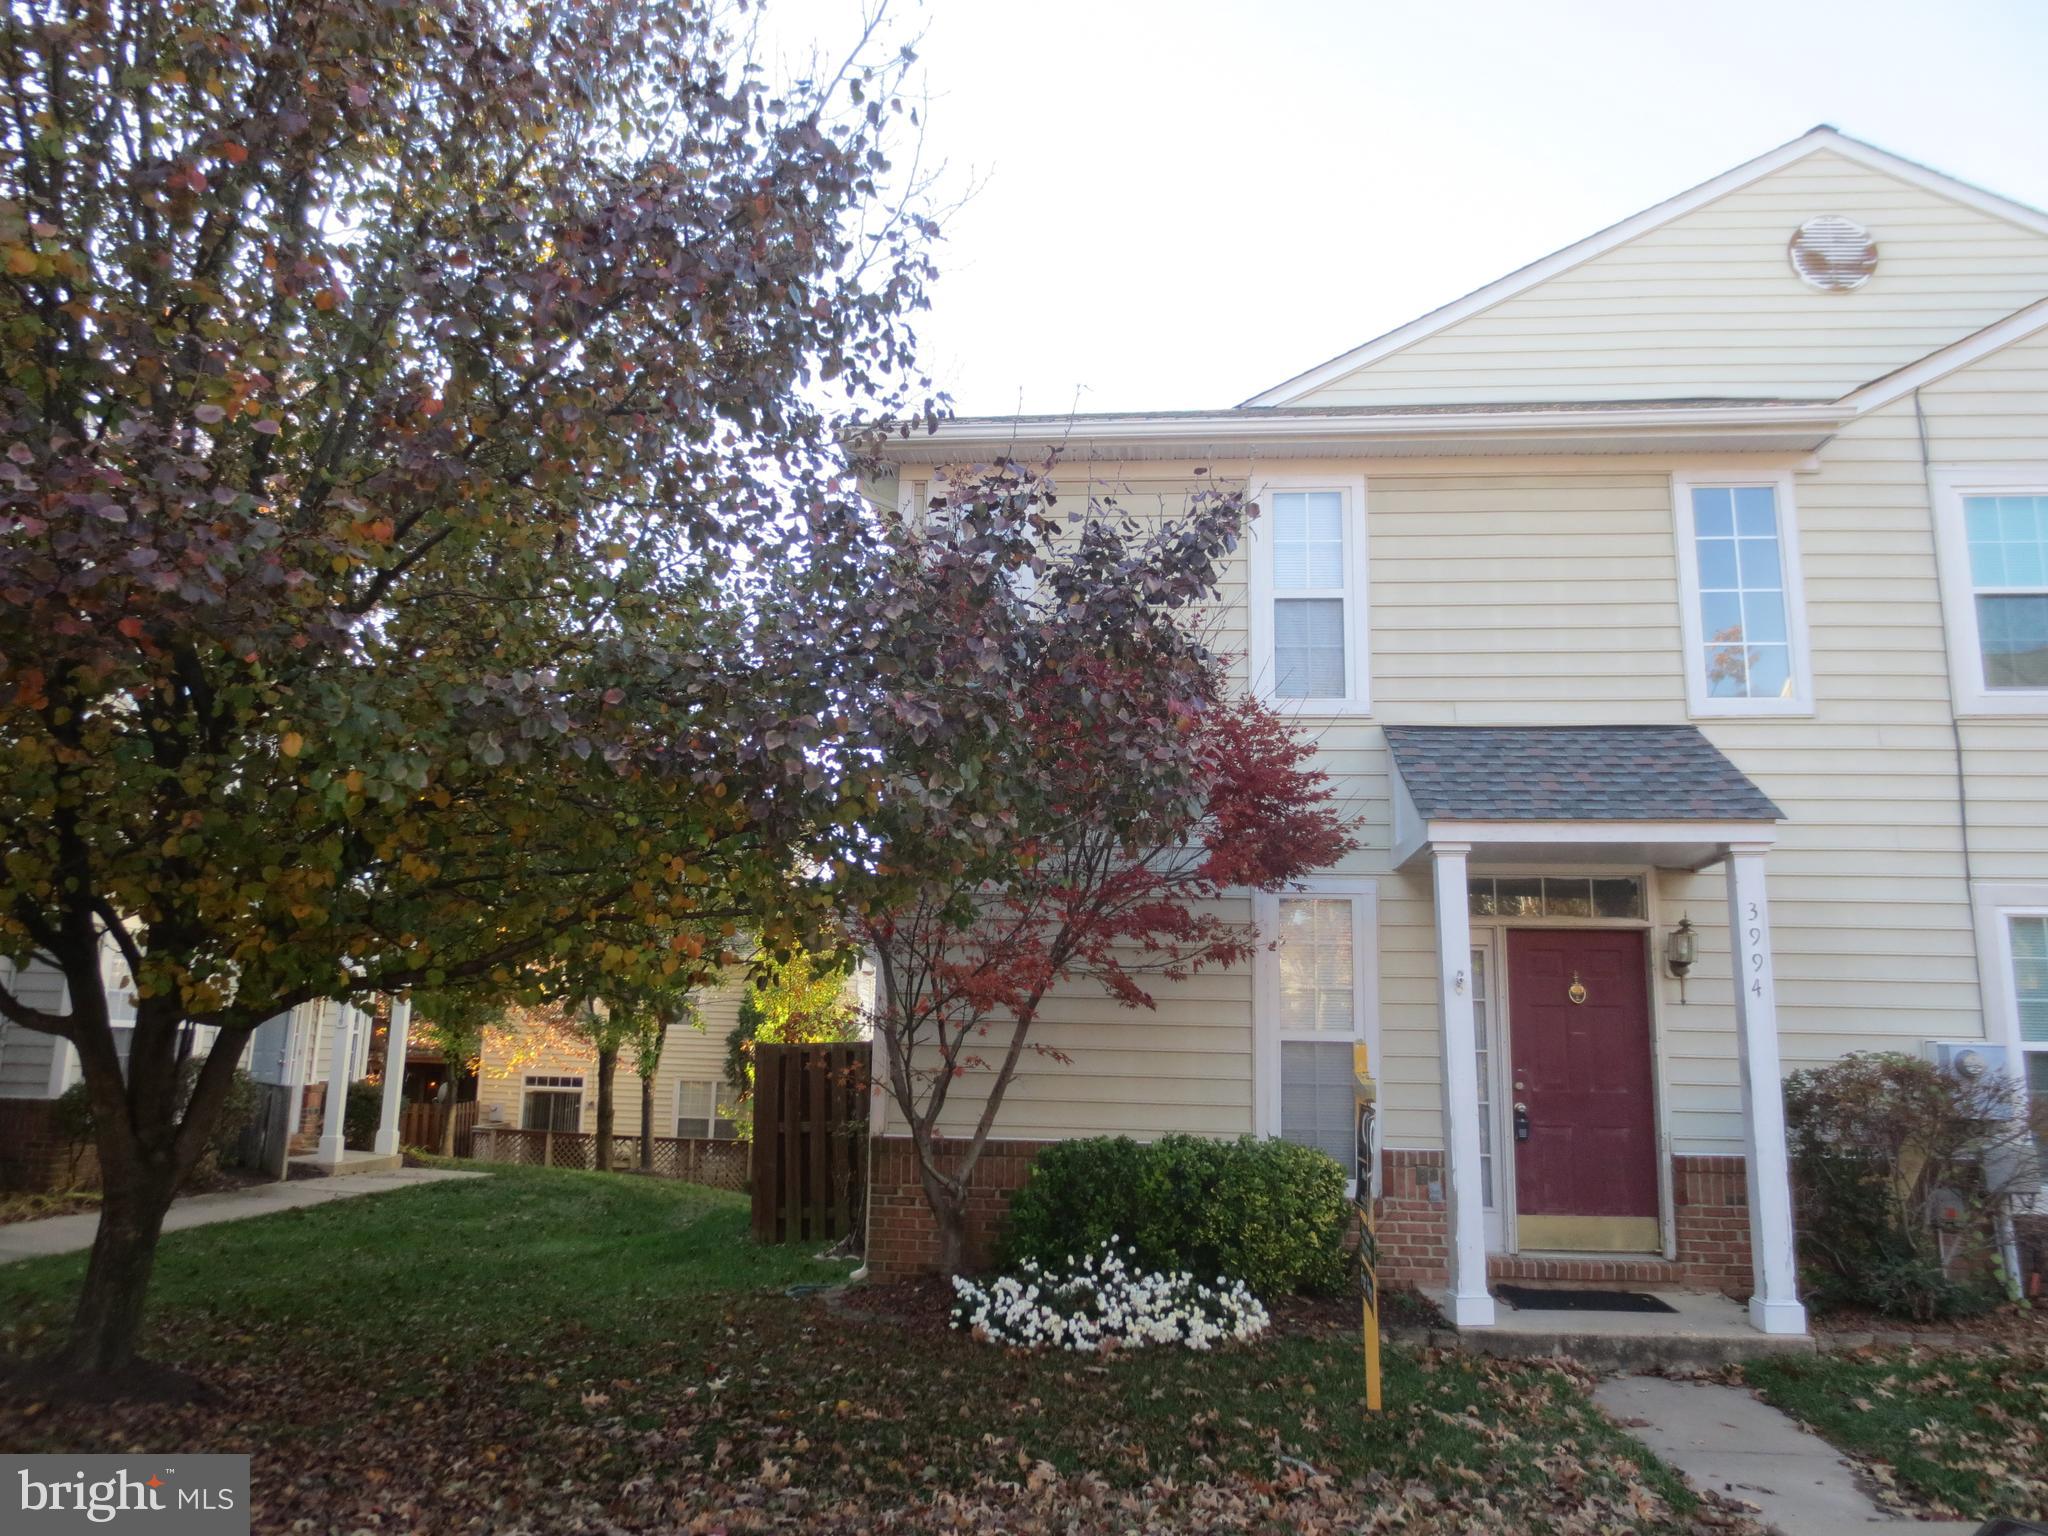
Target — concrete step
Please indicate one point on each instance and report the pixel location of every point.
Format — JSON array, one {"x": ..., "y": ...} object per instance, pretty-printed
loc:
[
  {"x": 351, "y": 1162},
  {"x": 1706, "y": 1331}
]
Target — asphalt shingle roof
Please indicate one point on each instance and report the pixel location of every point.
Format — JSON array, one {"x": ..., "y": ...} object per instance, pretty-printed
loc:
[{"x": 1572, "y": 773}]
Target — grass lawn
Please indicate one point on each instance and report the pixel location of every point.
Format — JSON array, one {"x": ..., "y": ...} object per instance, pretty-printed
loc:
[
  {"x": 1963, "y": 1435},
  {"x": 554, "y": 1351}
]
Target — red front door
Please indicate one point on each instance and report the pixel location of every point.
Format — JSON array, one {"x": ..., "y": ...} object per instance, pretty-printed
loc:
[{"x": 1579, "y": 1021}]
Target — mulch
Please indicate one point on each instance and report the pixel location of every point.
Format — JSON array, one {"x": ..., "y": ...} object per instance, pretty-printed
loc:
[{"x": 921, "y": 1307}]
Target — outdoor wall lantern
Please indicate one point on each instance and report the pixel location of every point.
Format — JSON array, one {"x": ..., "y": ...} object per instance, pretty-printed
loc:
[{"x": 1681, "y": 952}]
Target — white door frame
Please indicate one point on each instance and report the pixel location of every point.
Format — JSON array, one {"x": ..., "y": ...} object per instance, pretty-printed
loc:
[{"x": 1490, "y": 935}]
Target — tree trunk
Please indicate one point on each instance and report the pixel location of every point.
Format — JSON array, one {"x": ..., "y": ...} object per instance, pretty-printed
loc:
[
  {"x": 109, "y": 1315},
  {"x": 948, "y": 1202},
  {"x": 607, "y": 1069},
  {"x": 647, "y": 1125},
  {"x": 145, "y": 1150},
  {"x": 449, "y": 1101}
]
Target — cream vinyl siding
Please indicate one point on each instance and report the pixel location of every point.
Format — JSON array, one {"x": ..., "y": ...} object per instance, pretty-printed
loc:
[
  {"x": 1523, "y": 591},
  {"x": 29, "y": 1058},
  {"x": 688, "y": 1053},
  {"x": 1708, "y": 304},
  {"x": 1184, "y": 1066}
]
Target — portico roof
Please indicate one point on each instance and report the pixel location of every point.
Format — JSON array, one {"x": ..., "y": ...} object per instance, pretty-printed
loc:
[{"x": 1661, "y": 794}]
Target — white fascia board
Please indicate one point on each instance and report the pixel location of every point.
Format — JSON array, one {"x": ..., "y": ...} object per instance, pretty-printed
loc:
[
  {"x": 1935, "y": 366},
  {"x": 1614, "y": 235},
  {"x": 1798, "y": 428},
  {"x": 1440, "y": 832}
]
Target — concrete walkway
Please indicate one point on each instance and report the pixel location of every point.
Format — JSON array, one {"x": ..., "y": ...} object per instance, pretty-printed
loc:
[
  {"x": 1729, "y": 1442},
  {"x": 73, "y": 1234}
]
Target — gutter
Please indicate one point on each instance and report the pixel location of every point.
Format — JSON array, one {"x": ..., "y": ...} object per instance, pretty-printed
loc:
[{"x": 1249, "y": 433}]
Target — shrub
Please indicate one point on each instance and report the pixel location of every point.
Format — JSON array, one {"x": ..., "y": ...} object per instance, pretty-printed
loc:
[
  {"x": 1105, "y": 1303},
  {"x": 74, "y": 1120},
  {"x": 1903, "y": 1175},
  {"x": 1268, "y": 1213},
  {"x": 361, "y": 1113}
]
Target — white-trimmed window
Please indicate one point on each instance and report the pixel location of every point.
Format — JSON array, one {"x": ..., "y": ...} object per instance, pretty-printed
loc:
[
  {"x": 1992, "y": 538},
  {"x": 701, "y": 1109},
  {"x": 2027, "y": 945},
  {"x": 1315, "y": 996},
  {"x": 1743, "y": 613},
  {"x": 2012, "y": 949},
  {"x": 553, "y": 1103},
  {"x": 1482, "y": 1038},
  {"x": 1308, "y": 622}
]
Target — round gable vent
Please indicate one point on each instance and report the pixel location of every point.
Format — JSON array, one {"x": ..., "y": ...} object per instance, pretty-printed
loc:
[{"x": 1833, "y": 254}]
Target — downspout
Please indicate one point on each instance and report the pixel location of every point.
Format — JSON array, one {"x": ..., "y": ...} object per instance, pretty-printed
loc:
[
  {"x": 1955, "y": 729},
  {"x": 2008, "y": 1241}
]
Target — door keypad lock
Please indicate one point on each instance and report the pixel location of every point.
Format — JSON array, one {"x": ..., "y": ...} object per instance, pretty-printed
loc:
[{"x": 1521, "y": 1121}]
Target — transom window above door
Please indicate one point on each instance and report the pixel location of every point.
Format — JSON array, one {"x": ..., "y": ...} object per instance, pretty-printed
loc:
[
  {"x": 1613, "y": 896},
  {"x": 1308, "y": 596},
  {"x": 1743, "y": 612}
]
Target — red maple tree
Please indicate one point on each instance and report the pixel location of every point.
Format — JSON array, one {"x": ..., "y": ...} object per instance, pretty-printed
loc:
[{"x": 1115, "y": 792}]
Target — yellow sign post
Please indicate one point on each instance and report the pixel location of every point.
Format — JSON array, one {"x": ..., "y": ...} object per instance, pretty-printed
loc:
[{"x": 1364, "y": 1099}]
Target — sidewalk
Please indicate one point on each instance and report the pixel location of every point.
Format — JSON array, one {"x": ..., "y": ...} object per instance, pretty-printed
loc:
[
  {"x": 73, "y": 1234},
  {"x": 1729, "y": 1442}
]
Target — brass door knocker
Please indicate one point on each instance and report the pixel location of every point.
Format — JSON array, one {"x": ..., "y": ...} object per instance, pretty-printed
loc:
[{"x": 1577, "y": 991}]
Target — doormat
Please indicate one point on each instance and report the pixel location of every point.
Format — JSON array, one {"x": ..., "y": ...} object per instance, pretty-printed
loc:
[{"x": 1527, "y": 1299}]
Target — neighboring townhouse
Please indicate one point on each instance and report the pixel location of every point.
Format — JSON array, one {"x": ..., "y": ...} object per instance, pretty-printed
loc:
[
  {"x": 548, "y": 1082},
  {"x": 302, "y": 1058},
  {"x": 1673, "y": 616}
]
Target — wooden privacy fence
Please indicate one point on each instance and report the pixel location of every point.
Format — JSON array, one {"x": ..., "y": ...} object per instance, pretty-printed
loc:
[
  {"x": 697, "y": 1159},
  {"x": 810, "y": 1141},
  {"x": 419, "y": 1125}
]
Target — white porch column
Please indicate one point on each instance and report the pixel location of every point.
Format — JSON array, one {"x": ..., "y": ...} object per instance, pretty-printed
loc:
[
  {"x": 1471, "y": 1302},
  {"x": 394, "y": 1076},
  {"x": 1774, "y": 1306},
  {"x": 333, "y": 1126}
]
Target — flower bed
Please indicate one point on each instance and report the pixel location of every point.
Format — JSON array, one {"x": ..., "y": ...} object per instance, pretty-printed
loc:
[{"x": 1103, "y": 1303}]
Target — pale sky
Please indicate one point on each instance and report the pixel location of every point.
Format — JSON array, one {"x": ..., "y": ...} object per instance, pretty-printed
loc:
[{"x": 1183, "y": 202}]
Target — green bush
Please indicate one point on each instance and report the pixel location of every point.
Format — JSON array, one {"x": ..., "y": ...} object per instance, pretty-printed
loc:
[
  {"x": 1902, "y": 1174},
  {"x": 360, "y": 1114},
  {"x": 1269, "y": 1213},
  {"x": 74, "y": 1119}
]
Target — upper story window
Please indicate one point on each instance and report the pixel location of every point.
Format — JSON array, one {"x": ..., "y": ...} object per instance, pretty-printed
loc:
[
  {"x": 1308, "y": 595},
  {"x": 1992, "y": 540},
  {"x": 1743, "y": 614}
]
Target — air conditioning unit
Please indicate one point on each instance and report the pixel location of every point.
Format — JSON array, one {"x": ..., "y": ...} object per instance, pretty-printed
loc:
[{"x": 1971, "y": 1060}]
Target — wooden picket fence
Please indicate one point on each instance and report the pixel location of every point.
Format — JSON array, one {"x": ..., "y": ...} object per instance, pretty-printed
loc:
[
  {"x": 419, "y": 1125},
  {"x": 810, "y": 1141},
  {"x": 696, "y": 1159}
]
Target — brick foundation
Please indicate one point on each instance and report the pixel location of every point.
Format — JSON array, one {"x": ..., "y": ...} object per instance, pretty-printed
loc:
[
  {"x": 34, "y": 1156},
  {"x": 903, "y": 1240},
  {"x": 312, "y": 1118},
  {"x": 1414, "y": 1220},
  {"x": 1710, "y": 1200}
]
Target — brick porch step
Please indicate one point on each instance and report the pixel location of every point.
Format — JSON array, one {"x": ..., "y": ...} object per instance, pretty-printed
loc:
[{"x": 1643, "y": 1271}]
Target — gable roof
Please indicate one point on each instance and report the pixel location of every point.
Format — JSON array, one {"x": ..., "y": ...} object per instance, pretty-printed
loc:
[
  {"x": 1572, "y": 773},
  {"x": 1816, "y": 140}
]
